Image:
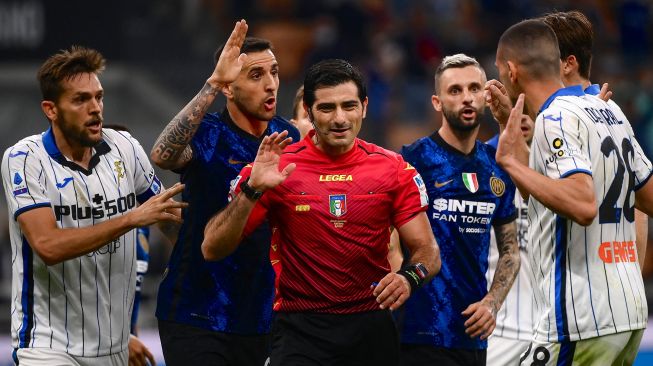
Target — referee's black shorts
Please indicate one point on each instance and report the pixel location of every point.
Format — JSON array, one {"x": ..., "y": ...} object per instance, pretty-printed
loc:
[
  {"x": 185, "y": 345},
  {"x": 361, "y": 339}
]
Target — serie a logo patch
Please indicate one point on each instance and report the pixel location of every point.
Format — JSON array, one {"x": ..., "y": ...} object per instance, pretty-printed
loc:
[{"x": 497, "y": 186}]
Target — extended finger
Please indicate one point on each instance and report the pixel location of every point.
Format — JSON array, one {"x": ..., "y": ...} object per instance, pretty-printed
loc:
[{"x": 171, "y": 192}]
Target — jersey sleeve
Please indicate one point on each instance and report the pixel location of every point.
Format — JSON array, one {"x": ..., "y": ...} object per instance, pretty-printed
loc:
[
  {"x": 260, "y": 211},
  {"x": 146, "y": 183},
  {"x": 561, "y": 143},
  {"x": 410, "y": 194},
  {"x": 506, "y": 211},
  {"x": 23, "y": 179}
]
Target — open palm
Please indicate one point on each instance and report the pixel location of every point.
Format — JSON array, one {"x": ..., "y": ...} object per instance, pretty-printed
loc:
[
  {"x": 231, "y": 61},
  {"x": 265, "y": 171}
]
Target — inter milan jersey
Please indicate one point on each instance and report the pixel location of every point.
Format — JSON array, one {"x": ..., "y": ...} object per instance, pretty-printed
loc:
[
  {"x": 233, "y": 295},
  {"x": 82, "y": 305},
  {"x": 331, "y": 220},
  {"x": 588, "y": 279},
  {"x": 467, "y": 195}
]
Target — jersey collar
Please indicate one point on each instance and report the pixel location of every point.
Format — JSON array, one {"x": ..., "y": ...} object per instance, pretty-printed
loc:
[
  {"x": 593, "y": 89},
  {"x": 51, "y": 148},
  {"x": 440, "y": 141},
  {"x": 575, "y": 90}
]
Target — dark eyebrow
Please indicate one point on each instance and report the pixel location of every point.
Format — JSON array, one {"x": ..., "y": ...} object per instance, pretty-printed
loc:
[{"x": 325, "y": 105}]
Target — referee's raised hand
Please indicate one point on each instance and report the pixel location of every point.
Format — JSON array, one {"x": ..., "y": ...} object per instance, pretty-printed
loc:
[{"x": 159, "y": 208}]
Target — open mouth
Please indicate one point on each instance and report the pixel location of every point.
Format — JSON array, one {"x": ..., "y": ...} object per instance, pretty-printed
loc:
[
  {"x": 270, "y": 103},
  {"x": 94, "y": 125},
  {"x": 468, "y": 113}
]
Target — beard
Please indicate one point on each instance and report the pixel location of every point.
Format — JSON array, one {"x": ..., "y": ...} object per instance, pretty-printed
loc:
[
  {"x": 252, "y": 109},
  {"x": 80, "y": 134},
  {"x": 456, "y": 123}
]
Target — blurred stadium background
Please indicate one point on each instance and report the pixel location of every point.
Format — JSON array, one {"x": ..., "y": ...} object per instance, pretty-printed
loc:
[{"x": 161, "y": 52}]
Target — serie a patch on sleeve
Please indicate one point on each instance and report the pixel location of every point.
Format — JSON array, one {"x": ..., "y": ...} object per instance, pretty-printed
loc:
[
  {"x": 421, "y": 187},
  {"x": 19, "y": 185}
]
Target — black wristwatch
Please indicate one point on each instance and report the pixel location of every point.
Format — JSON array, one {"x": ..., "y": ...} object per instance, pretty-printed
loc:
[{"x": 250, "y": 192}]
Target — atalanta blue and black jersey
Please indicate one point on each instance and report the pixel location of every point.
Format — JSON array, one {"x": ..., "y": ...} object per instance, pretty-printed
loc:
[
  {"x": 233, "y": 295},
  {"x": 467, "y": 194}
]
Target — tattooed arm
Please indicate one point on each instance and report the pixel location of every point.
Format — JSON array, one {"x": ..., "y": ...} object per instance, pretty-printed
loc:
[
  {"x": 482, "y": 315},
  {"x": 171, "y": 149}
]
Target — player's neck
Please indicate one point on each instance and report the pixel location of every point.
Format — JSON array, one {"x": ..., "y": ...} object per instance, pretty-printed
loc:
[
  {"x": 538, "y": 92},
  {"x": 462, "y": 141},
  {"x": 576, "y": 79},
  {"x": 246, "y": 123},
  {"x": 71, "y": 149}
]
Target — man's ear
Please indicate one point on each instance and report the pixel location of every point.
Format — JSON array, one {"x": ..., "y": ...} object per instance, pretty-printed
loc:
[
  {"x": 436, "y": 102},
  {"x": 365, "y": 106},
  {"x": 569, "y": 65},
  {"x": 513, "y": 72},
  {"x": 227, "y": 91},
  {"x": 49, "y": 109}
]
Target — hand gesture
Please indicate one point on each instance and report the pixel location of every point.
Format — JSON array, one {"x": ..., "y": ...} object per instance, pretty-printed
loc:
[
  {"x": 231, "y": 61},
  {"x": 392, "y": 291},
  {"x": 265, "y": 171},
  {"x": 159, "y": 208},
  {"x": 139, "y": 355},
  {"x": 512, "y": 146},
  {"x": 496, "y": 97},
  {"x": 482, "y": 318},
  {"x": 605, "y": 92}
]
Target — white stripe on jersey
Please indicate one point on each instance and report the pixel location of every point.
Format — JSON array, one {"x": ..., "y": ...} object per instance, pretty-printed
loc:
[
  {"x": 516, "y": 316},
  {"x": 588, "y": 280},
  {"x": 81, "y": 306}
]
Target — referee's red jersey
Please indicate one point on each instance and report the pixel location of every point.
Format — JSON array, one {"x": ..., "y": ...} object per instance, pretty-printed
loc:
[{"x": 331, "y": 221}]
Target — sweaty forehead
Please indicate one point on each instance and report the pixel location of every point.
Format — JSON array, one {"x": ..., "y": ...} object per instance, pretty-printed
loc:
[{"x": 263, "y": 59}]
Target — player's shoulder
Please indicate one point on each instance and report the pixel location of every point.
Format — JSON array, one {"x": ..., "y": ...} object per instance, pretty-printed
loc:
[
  {"x": 279, "y": 124},
  {"x": 418, "y": 150},
  {"x": 23, "y": 147}
]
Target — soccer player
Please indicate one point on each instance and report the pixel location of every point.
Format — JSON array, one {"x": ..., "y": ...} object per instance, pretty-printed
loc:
[
  {"x": 73, "y": 192},
  {"x": 448, "y": 320},
  {"x": 575, "y": 37},
  {"x": 331, "y": 218},
  {"x": 514, "y": 328},
  {"x": 300, "y": 116},
  {"x": 219, "y": 313},
  {"x": 584, "y": 171}
]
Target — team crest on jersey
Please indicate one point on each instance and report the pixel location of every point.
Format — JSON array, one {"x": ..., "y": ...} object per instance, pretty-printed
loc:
[
  {"x": 497, "y": 186},
  {"x": 19, "y": 184},
  {"x": 338, "y": 204},
  {"x": 119, "y": 167},
  {"x": 470, "y": 181}
]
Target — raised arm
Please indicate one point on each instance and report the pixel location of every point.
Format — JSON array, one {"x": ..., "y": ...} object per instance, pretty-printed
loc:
[
  {"x": 395, "y": 288},
  {"x": 55, "y": 245},
  {"x": 572, "y": 197},
  {"x": 171, "y": 149},
  {"x": 483, "y": 314},
  {"x": 224, "y": 231}
]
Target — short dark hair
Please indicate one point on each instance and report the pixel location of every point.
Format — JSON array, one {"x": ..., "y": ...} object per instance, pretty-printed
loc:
[
  {"x": 328, "y": 73},
  {"x": 457, "y": 61},
  {"x": 575, "y": 37},
  {"x": 250, "y": 45},
  {"x": 533, "y": 45},
  {"x": 64, "y": 65}
]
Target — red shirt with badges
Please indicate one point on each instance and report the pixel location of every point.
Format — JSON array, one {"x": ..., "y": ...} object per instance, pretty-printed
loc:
[{"x": 331, "y": 219}]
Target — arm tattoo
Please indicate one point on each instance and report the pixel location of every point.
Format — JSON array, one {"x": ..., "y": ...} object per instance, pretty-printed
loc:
[
  {"x": 508, "y": 264},
  {"x": 172, "y": 143}
]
